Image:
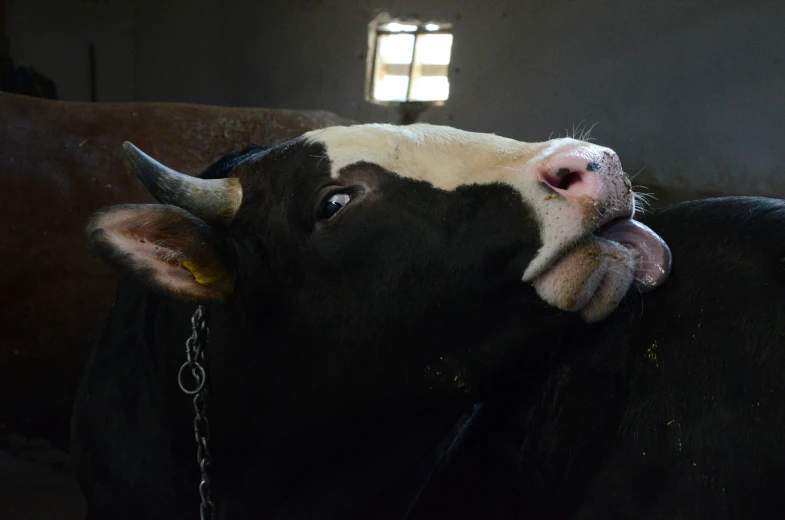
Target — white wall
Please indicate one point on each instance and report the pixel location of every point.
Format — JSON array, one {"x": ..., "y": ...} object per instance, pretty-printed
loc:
[{"x": 694, "y": 91}]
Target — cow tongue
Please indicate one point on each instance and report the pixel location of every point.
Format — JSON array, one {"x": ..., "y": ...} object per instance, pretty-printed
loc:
[
  {"x": 595, "y": 276},
  {"x": 653, "y": 255}
]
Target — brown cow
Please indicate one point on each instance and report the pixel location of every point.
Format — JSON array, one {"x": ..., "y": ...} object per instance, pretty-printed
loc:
[{"x": 60, "y": 162}]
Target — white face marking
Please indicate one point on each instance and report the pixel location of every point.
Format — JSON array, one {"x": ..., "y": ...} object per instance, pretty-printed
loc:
[
  {"x": 444, "y": 156},
  {"x": 447, "y": 158}
]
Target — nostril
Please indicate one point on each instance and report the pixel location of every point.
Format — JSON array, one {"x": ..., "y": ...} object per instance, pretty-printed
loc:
[
  {"x": 562, "y": 179},
  {"x": 577, "y": 172},
  {"x": 569, "y": 179}
]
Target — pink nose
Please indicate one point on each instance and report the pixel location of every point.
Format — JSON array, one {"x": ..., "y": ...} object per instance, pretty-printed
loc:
[{"x": 579, "y": 172}]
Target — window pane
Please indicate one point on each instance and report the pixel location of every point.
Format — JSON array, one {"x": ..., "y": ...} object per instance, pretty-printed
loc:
[
  {"x": 434, "y": 49},
  {"x": 391, "y": 88},
  {"x": 396, "y": 48},
  {"x": 391, "y": 72},
  {"x": 431, "y": 65},
  {"x": 430, "y": 88}
]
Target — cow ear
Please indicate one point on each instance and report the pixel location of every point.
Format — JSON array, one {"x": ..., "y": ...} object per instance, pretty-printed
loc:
[{"x": 164, "y": 246}]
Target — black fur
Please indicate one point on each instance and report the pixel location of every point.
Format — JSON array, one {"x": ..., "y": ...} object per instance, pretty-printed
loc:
[
  {"x": 221, "y": 168},
  {"x": 670, "y": 409},
  {"x": 354, "y": 345}
]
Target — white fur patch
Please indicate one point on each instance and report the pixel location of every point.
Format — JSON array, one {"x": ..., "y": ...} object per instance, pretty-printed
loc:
[{"x": 444, "y": 156}]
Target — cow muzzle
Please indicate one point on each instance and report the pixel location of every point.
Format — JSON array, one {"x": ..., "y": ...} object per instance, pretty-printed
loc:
[{"x": 592, "y": 252}]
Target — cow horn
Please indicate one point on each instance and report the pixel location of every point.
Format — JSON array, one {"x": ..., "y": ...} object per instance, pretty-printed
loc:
[{"x": 212, "y": 200}]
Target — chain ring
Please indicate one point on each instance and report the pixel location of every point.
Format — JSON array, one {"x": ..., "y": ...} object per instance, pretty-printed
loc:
[{"x": 194, "y": 350}]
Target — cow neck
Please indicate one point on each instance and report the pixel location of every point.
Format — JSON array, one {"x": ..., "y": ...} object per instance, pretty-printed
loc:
[
  {"x": 409, "y": 489},
  {"x": 440, "y": 457}
]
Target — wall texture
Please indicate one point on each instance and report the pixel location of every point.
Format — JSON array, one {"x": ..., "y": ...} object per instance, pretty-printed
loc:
[
  {"x": 691, "y": 93},
  {"x": 54, "y": 36}
]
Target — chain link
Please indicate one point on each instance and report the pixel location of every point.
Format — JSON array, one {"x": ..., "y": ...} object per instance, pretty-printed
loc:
[{"x": 194, "y": 352}]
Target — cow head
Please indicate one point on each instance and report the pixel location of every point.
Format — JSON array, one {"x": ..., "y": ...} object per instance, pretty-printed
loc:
[{"x": 420, "y": 256}]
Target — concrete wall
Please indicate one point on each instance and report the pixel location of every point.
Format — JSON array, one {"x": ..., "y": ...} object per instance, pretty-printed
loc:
[
  {"x": 692, "y": 92},
  {"x": 53, "y": 36}
]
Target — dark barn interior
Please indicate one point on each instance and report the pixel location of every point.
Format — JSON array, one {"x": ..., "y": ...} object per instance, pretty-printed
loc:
[{"x": 689, "y": 93}]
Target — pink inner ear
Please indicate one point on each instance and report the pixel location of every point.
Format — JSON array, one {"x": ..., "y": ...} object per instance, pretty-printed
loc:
[
  {"x": 139, "y": 245},
  {"x": 137, "y": 237},
  {"x": 165, "y": 263}
]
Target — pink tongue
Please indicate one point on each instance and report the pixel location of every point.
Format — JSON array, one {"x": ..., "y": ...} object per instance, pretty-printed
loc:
[{"x": 654, "y": 256}]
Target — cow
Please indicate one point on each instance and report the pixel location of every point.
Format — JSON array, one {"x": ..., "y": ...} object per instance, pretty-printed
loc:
[{"x": 423, "y": 322}]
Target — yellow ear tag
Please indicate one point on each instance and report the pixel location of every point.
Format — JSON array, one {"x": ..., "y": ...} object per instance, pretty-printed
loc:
[{"x": 201, "y": 277}]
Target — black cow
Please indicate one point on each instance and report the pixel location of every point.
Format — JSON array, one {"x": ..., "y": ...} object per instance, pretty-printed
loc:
[
  {"x": 368, "y": 285},
  {"x": 672, "y": 408}
]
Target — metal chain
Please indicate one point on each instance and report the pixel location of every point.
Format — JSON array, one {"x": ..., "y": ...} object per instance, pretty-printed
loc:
[{"x": 194, "y": 351}]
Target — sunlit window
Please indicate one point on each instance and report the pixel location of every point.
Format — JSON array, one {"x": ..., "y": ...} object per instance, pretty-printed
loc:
[{"x": 409, "y": 62}]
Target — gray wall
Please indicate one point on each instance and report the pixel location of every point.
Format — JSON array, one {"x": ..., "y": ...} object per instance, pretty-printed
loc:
[
  {"x": 53, "y": 37},
  {"x": 692, "y": 92}
]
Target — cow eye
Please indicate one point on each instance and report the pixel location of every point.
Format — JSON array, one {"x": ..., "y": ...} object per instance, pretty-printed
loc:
[{"x": 333, "y": 205}]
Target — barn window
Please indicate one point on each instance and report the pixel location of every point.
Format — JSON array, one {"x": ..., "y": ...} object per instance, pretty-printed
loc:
[{"x": 408, "y": 62}]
